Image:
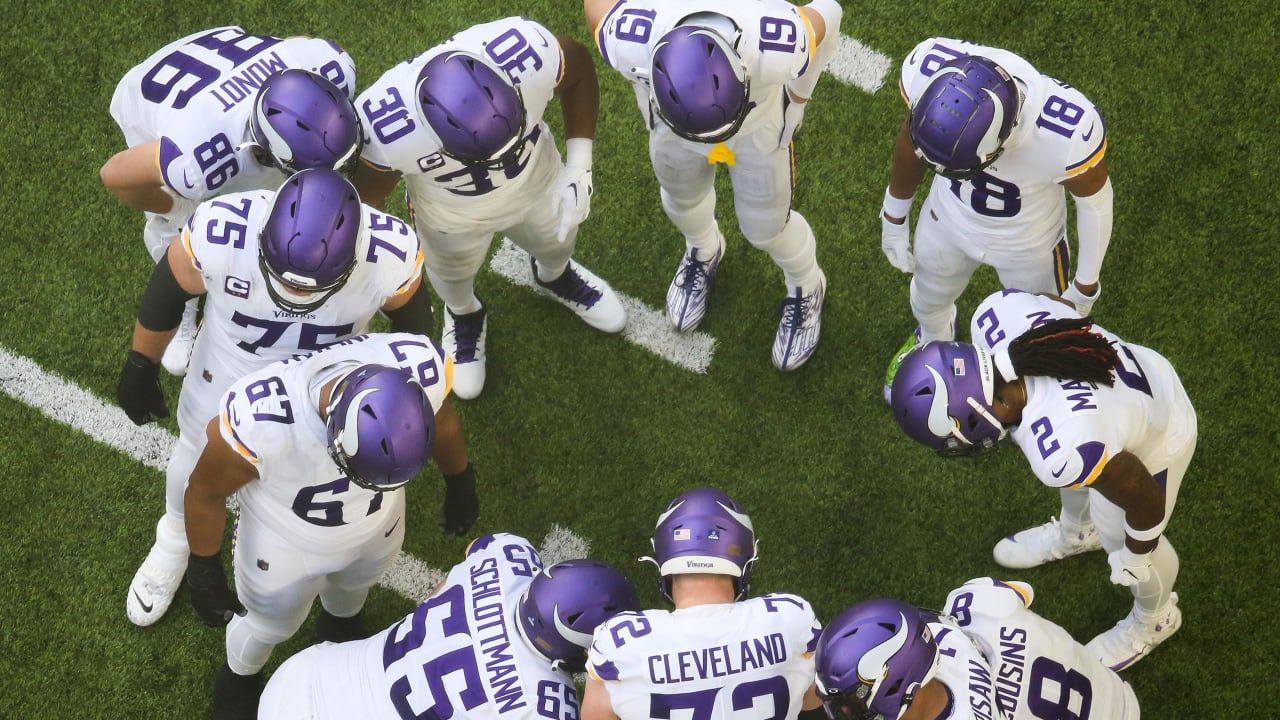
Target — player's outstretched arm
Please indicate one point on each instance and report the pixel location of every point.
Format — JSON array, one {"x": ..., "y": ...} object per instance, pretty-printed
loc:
[
  {"x": 461, "y": 501},
  {"x": 1126, "y": 482},
  {"x": 219, "y": 472},
  {"x": 134, "y": 177},
  {"x": 1095, "y": 214}
]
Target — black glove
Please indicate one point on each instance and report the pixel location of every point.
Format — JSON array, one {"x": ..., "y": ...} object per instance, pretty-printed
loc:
[
  {"x": 139, "y": 390},
  {"x": 461, "y": 505},
  {"x": 212, "y": 600}
]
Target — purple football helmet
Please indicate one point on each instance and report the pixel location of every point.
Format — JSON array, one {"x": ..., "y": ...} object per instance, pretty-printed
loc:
[
  {"x": 960, "y": 122},
  {"x": 565, "y": 603},
  {"x": 380, "y": 427},
  {"x": 698, "y": 84},
  {"x": 704, "y": 531},
  {"x": 301, "y": 120},
  {"x": 475, "y": 111},
  {"x": 872, "y": 659},
  {"x": 307, "y": 245},
  {"x": 942, "y": 398}
]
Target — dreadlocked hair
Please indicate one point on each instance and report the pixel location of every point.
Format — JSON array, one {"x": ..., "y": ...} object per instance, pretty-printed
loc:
[{"x": 1066, "y": 349}]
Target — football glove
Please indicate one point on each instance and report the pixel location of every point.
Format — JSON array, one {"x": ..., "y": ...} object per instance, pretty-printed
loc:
[
  {"x": 575, "y": 187},
  {"x": 139, "y": 392},
  {"x": 1129, "y": 568},
  {"x": 461, "y": 504},
  {"x": 895, "y": 241},
  {"x": 792, "y": 119},
  {"x": 211, "y": 598},
  {"x": 1083, "y": 303}
]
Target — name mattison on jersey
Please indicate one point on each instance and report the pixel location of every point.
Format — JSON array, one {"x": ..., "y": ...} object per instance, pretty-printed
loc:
[{"x": 717, "y": 661}]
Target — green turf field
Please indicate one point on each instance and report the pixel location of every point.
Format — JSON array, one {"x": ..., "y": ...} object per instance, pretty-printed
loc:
[{"x": 596, "y": 434}]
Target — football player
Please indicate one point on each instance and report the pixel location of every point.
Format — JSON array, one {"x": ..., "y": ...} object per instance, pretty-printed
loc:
[
  {"x": 886, "y": 659},
  {"x": 990, "y": 656},
  {"x": 529, "y": 628},
  {"x": 462, "y": 122},
  {"x": 1105, "y": 421},
  {"x": 317, "y": 449},
  {"x": 282, "y": 273},
  {"x": 222, "y": 111},
  {"x": 726, "y": 82},
  {"x": 718, "y": 652},
  {"x": 1003, "y": 141}
]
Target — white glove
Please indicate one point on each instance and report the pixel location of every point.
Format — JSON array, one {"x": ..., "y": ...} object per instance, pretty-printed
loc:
[
  {"x": 575, "y": 187},
  {"x": 1129, "y": 568},
  {"x": 792, "y": 118},
  {"x": 895, "y": 241},
  {"x": 1083, "y": 303}
]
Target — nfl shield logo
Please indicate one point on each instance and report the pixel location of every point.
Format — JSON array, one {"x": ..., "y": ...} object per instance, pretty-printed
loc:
[{"x": 681, "y": 534}]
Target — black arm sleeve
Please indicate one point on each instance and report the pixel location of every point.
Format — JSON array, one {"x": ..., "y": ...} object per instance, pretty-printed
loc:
[
  {"x": 414, "y": 316},
  {"x": 161, "y": 308}
]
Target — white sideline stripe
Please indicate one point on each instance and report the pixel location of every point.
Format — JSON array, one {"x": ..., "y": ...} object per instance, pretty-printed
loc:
[
  {"x": 857, "y": 64},
  {"x": 646, "y": 327},
  {"x": 72, "y": 405}
]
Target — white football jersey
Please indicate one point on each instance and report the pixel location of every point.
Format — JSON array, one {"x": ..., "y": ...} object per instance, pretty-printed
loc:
[
  {"x": 243, "y": 329},
  {"x": 271, "y": 417},
  {"x": 1069, "y": 429},
  {"x": 1016, "y": 203},
  {"x": 1006, "y": 314},
  {"x": 459, "y": 654},
  {"x": 964, "y": 670},
  {"x": 717, "y": 660},
  {"x": 398, "y": 138},
  {"x": 1040, "y": 671},
  {"x": 195, "y": 96},
  {"x": 776, "y": 45}
]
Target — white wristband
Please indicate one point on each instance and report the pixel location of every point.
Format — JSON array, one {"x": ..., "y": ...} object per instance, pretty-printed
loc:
[
  {"x": 1144, "y": 535},
  {"x": 578, "y": 153},
  {"x": 896, "y": 207}
]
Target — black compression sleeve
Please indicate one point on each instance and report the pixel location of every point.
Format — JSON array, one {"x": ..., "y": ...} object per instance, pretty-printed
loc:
[
  {"x": 414, "y": 316},
  {"x": 161, "y": 308}
]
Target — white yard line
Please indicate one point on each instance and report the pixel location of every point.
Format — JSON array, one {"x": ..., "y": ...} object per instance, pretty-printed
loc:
[
  {"x": 859, "y": 65},
  {"x": 646, "y": 327},
  {"x": 72, "y": 405}
]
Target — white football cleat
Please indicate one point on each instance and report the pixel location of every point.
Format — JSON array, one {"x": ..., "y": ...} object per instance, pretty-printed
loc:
[
  {"x": 1134, "y": 638},
  {"x": 801, "y": 323},
  {"x": 178, "y": 353},
  {"x": 464, "y": 339},
  {"x": 152, "y": 590},
  {"x": 691, "y": 286},
  {"x": 581, "y": 291},
  {"x": 1045, "y": 543}
]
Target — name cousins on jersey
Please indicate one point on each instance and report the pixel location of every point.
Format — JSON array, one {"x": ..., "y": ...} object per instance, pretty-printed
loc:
[
  {"x": 490, "y": 628},
  {"x": 246, "y": 82},
  {"x": 1011, "y": 672},
  {"x": 718, "y": 661}
]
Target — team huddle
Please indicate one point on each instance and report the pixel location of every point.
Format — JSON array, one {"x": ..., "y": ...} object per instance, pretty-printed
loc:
[{"x": 263, "y": 170}]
